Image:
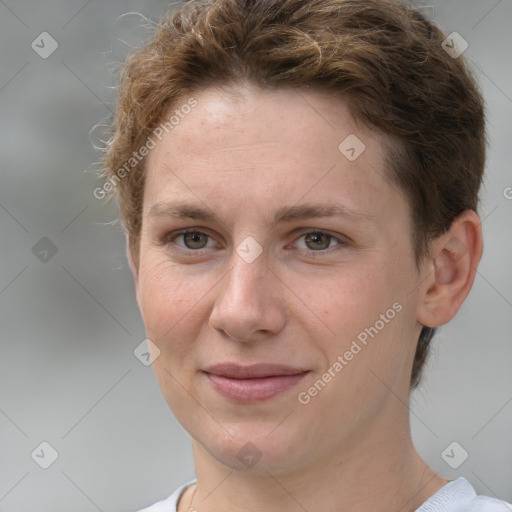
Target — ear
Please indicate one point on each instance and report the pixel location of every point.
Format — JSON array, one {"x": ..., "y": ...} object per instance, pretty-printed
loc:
[
  {"x": 134, "y": 266},
  {"x": 449, "y": 270}
]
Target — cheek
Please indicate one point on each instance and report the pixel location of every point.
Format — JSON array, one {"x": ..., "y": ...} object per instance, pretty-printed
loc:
[
  {"x": 349, "y": 298},
  {"x": 368, "y": 320},
  {"x": 171, "y": 301},
  {"x": 173, "y": 310}
]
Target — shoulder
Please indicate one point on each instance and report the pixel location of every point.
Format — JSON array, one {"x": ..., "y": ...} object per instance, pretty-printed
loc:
[
  {"x": 460, "y": 496},
  {"x": 488, "y": 504},
  {"x": 170, "y": 504}
]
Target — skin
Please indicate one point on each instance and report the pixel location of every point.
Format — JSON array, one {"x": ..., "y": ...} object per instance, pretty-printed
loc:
[{"x": 243, "y": 154}]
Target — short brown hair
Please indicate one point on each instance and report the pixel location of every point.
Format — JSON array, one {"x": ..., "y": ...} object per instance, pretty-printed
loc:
[{"x": 383, "y": 57}]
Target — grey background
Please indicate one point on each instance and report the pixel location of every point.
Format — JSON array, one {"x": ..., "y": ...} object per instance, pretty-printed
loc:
[{"x": 69, "y": 325}]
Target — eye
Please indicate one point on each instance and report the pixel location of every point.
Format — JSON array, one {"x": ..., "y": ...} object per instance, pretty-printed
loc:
[
  {"x": 317, "y": 241},
  {"x": 192, "y": 240}
]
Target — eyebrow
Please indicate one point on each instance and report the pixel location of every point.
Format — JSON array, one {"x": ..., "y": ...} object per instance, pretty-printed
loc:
[{"x": 184, "y": 210}]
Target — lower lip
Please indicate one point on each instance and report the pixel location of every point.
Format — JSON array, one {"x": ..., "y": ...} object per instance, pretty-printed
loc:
[{"x": 250, "y": 390}]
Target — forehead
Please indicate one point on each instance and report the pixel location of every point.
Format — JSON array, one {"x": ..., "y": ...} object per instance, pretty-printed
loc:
[{"x": 252, "y": 147}]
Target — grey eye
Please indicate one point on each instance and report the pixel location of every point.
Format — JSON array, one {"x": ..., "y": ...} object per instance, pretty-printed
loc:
[
  {"x": 195, "y": 240},
  {"x": 317, "y": 240}
]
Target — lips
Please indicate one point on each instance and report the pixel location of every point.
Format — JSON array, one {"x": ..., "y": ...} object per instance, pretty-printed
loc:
[
  {"x": 253, "y": 371},
  {"x": 255, "y": 382}
]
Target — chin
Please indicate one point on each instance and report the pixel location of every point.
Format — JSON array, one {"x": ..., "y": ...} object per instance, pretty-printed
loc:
[{"x": 250, "y": 448}]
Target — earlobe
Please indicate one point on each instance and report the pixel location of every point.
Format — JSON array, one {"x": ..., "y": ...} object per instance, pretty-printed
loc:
[{"x": 452, "y": 265}]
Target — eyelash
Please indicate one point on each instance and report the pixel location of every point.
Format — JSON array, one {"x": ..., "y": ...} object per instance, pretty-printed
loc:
[{"x": 169, "y": 239}]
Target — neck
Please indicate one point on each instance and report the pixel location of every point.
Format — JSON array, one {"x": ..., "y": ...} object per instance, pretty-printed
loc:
[{"x": 376, "y": 469}]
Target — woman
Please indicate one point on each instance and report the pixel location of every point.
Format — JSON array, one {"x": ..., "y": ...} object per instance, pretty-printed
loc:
[{"x": 299, "y": 182}]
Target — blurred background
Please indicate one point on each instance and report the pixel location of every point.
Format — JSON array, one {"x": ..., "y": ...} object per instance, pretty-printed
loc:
[{"x": 83, "y": 425}]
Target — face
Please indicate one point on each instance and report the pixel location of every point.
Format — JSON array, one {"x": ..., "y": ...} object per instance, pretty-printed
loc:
[{"x": 269, "y": 237}]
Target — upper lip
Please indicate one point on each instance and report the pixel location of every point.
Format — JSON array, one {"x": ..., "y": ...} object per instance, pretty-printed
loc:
[{"x": 253, "y": 371}]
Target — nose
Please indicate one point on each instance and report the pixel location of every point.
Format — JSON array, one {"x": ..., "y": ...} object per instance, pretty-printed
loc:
[{"x": 248, "y": 306}]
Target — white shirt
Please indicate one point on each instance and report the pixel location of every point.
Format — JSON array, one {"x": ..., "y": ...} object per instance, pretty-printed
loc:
[{"x": 456, "y": 496}]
